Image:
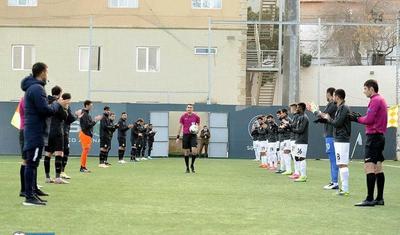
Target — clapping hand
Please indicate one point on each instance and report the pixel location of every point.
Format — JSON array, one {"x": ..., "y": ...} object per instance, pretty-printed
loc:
[
  {"x": 79, "y": 113},
  {"x": 325, "y": 116},
  {"x": 354, "y": 116},
  {"x": 98, "y": 118}
]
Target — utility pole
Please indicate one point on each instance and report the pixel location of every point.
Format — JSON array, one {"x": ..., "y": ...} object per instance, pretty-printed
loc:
[{"x": 291, "y": 53}]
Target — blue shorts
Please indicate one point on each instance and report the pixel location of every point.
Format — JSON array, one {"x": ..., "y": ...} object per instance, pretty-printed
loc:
[{"x": 330, "y": 148}]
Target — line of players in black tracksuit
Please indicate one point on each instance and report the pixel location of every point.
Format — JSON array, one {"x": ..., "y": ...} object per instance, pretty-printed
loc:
[
  {"x": 142, "y": 138},
  {"x": 57, "y": 141}
]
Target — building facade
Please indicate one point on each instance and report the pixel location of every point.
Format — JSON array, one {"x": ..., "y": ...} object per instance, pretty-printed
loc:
[{"x": 142, "y": 50}]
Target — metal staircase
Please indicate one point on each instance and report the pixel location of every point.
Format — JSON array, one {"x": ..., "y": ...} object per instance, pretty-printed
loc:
[
  {"x": 268, "y": 12},
  {"x": 263, "y": 65},
  {"x": 267, "y": 89}
]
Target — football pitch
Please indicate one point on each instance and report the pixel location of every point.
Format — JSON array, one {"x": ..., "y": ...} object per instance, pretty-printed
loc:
[{"x": 223, "y": 197}]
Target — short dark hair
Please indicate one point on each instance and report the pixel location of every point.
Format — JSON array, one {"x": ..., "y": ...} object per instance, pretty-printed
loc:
[
  {"x": 372, "y": 83},
  {"x": 190, "y": 105},
  {"x": 270, "y": 116},
  {"x": 87, "y": 102},
  {"x": 302, "y": 106},
  {"x": 330, "y": 90},
  {"x": 284, "y": 111},
  {"x": 340, "y": 93},
  {"x": 66, "y": 96},
  {"x": 56, "y": 90},
  {"x": 106, "y": 108},
  {"x": 140, "y": 120},
  {"x": 293, "y": 105},
  {"x": 279, "y": 111},
  {"x": 38, "y": 68},
  {"x": 123, "y": 113},
  {"x": 260, "y": 117}
]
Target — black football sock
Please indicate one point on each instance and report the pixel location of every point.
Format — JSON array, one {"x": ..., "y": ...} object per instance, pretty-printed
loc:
[
  {"x": 370, "y": 186},
  {"x": 380, "y": 184},
  {"x": 47, "y": 166},
  {"x": 106, "y": 157},
  {"x": 64, "y": 162},
  {"x": 121, "y": 154},
  {"x": 133, "y": 154},
  {"x": 58, "y": 165},
  {"x": 21, "y": 177},
  {"x": 193, "y": 160},
  {"x": 187, "y": 162},
  {"x": 35, "y": 187},
  {"x": 102, "y": 157}
]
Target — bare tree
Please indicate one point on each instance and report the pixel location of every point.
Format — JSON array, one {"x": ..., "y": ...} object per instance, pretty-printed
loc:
[{"x": 351, "y": 42}]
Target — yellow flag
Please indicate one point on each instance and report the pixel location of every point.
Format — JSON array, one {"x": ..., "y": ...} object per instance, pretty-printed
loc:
[
  {"x": 16, "y": 120},
  {"x": 393, "y": 116}
]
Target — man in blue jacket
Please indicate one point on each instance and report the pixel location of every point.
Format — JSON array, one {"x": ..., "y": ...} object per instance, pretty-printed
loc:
[{"x": 37, "y": 110}]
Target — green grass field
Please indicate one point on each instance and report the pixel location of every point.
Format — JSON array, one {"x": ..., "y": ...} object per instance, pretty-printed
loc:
[{"x": 224, "y": 197}]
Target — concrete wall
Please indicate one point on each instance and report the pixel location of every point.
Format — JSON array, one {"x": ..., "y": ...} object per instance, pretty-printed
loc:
[
  {"x": 349, "y": 78},
  {"x": 182, "y": 77},
  {"x": 149, "y": 14}
]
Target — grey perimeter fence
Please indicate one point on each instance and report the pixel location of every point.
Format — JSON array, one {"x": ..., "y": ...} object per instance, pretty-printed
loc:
[{"x": 229, "y": 126}]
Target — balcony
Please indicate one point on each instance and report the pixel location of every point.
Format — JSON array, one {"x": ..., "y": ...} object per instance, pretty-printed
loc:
[{"x": 262, "y": 60}]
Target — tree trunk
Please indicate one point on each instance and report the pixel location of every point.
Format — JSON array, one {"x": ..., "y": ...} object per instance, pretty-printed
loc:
[{"x": 378, "y": 59}]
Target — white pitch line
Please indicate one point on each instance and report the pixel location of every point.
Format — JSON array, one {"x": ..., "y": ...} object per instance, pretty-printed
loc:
[
  {"x": 384, "y": 165},
  {"x": 391, "y": 166}
]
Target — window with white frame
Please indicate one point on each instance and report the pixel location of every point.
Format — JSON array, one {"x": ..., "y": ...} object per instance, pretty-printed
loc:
[
  {"x": 207, "y": 4},
  {"x": 23, "y": 57},
  {"x": 204, "y": 50},
  {"x": 95, "y": 57},
  {"x": 148, "y": 59},
  {"x": 123, "y": 3},
  {"x": 22, "y": 3}
]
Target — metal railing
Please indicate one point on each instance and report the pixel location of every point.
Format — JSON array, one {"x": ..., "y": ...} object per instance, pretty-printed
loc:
[{"x": 268, "y": 59}]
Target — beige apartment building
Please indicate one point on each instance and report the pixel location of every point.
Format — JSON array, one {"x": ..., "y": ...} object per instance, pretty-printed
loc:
[{"x": 142, "y": 50}]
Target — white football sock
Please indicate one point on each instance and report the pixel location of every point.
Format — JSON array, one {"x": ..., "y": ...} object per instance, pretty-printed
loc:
[
  {"x": 344, "y": 177},
  {"x": 287, "y": 159},
  {"x": 263, "y": 160},
  {"x": 296, "y": 166},
  {"x": 274, "y": 160},
  {"x": 281, "y": 162},
  {"x": 258, "y": 154},
  {"x": 303, "y": 168},
  {"x": 269, "y": 160}
]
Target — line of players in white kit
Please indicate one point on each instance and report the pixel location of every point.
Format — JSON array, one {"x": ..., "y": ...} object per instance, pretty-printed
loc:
[{"x": 276, "y": 145}]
